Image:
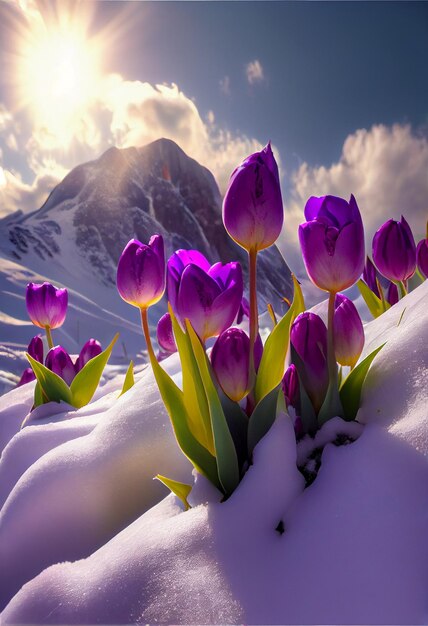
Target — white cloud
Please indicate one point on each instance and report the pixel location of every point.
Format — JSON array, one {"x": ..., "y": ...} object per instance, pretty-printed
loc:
[
  {"x": 254, "y": 72},
  {"x": 225, "y": 85},
  {"x": 386, "y": 168},
  {"x": 17, "y": 195}
]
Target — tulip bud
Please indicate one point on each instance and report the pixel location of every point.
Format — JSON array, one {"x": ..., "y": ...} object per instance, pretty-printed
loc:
[
  {"x": 209, "y": 297},
  {"x": 35, "y": 348},
  {"x": 394, "y": 250},
  {"x": 348, "y": 331},
  {"x": 370, "y": 277},
  {"x": 230, "y": 358},
  {"x": 332, "y": 242},
  {"x": 59, "y": 362},
  {"x": 91, "y": 349},
  {"x": 290, "y": 386},
  {"x": 165, "y": 334},
  {"x": 422, "y": 256},
  {"x": 27, "y": 376},
  {"x": 308, "y": 337},
  {"x": 252, "y": 208},
  {"x": 141, "y": 272},
  {"x": 244, "y": 310},
  {"x": 46, "y": 305},
  {"x": 392, "y": 294}
]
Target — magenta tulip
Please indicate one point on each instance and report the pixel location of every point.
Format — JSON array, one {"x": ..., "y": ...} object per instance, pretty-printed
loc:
[
  {"x": 91, "y": 349},
  {"x": 27, "y": 376},
  {"x": 230, "y": 358},
  {"x": 46, "y": 305},
  {"x": 252, "y": 207},
  {"x": 422, "y": 257},
  {"x": 392, "y": 294},
  {"x": 59, "y": 362},
  {"x": 35, "y": 348},
  {"x": 394, "y": 250},
  {"x": 290, "y": 386},
  {"x": 348, "y": 332},
  {"x": 370, "y": 277},
  {"x": 332, "y": 242},
  {"x": 165, "y": 334},
  {"x": 209, "y": 297},
  {"x": 308, "y": 337},
  {"x": 141, "y": 272}
]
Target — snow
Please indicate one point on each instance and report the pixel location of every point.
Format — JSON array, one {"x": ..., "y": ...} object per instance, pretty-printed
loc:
[{"x": 353, "y": 549}]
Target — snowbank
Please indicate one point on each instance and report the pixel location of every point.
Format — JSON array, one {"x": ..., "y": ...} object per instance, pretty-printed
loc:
[{"x": 353, "y": 549}]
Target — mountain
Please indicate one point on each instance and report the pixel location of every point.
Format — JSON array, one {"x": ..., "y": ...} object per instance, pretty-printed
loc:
[{"x": 76, "y": 237}]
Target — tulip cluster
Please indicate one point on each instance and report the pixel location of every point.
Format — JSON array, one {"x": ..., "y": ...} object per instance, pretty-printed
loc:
[
  {"x": 47, "y": 308},
  {"x": 396, "y": 260}
]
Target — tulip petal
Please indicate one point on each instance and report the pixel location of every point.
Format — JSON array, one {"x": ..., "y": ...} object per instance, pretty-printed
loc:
[{"x": 196, "y": 295}]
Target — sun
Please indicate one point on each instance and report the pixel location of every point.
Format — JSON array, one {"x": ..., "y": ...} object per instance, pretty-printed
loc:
[{"x": 57, "y": 72}]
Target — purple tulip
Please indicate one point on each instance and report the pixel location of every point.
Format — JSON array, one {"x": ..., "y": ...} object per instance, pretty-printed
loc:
[
  {"x": 230, "y": 358},
  {"x": 59, "y": 362},
  {"x": 141, "y": 272},
  {"x": 348, "y": 331},
  {"x": 209, "y": 297},
  {"x": 46, "y": 305},
  {"x": 244, "y": 310},
  {"x": 27, "y": 376},
  {"x": 422, "y": 257},
  {"x": 35, "y": 348},
  {"x": 332, "y": 242},
  {"x": 370, "y": 276},
  {"x": 290, "y": 386},
  {"x": 252, "y": 207},
  {"x": 392, "y": 294},
  {"x": 91, "y": 349},
  {"x": 308, "y": 336},
  {"x": 394, "y": 250},
  {"x": 165, "y": 334}
]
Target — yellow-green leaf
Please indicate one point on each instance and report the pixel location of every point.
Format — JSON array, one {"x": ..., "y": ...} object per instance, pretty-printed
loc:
[
  {"x": 52, "y": 385},
  {"x": 86, "y": 381},
  {"x": 375, "y": 305},
  {"x": 129, "y": 379},
  {"x": 271, "y": 369},
  {"x": 262, "y": 418},
  {"x": 181, "y": 490},
  {"x": 227, "y": 460},
  {"x": 350, "y": 392}
]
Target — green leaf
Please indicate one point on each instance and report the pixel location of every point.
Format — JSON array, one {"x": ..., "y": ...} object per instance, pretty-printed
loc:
[
  {"x": 52, "y": 386},
  {"x": 350, "y": 392},
  {"x": 195, "y": 399},
  {"x": 181, "y": 490},
  {"x": 237, "y": 421},
  {"x": 375, "y": 305},
  {"x": 38, "y": 396},
  {"x": 271, "y": 369},
  {"x": 86, "y": 381},
  {"x": 172, "y": 397},
  {"x": 129, "y": 379},
  {"x": 262, "y": 418},
  {"x": 227, "y": 460}
]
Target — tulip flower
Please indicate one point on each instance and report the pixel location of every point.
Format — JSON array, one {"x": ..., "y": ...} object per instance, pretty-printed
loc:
[
  {"x": 392, "y": 294},
  {"x": 165, "y": 334},
  {"x": 394, "y": 250},
  {"x": 332, "y": 242},
  {"x": 252, "y": 207},
  {"x": 59, "y": 362},
  {"x": 141, "y": 272},
  {"x": 35, "y": 349},
  {"x": 348, "y": 332},
  {"x": 244, "y": 310},
  {"x": 230, "y": 359},
  {"x": 422, "y": 255},
  {"x": 370, "y": 277},
  {"x": 91, "y": 349},
  {"x": 27, "y": 376},
  {"x": 46, "y": 306},
  {"x": 209, "y": 297},
  {"x": 308, "y": 337},
  {"x": 290, "y": 386}
]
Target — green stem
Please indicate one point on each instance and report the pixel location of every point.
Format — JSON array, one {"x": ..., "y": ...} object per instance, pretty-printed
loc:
[
  {"x": 403, "y": 288},
  {"x": 145, "y": 325},
  {"x": 49, "y": 337},
  {"x": 254, "y": 314}
]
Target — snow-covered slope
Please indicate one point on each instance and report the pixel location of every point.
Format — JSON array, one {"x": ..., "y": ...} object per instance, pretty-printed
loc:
[
  {"x": 76, "y": 238},
  {"x": 354, "y": 546}
]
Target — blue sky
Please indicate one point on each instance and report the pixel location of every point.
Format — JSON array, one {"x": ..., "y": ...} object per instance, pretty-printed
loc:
[{"x": 339, "y": 87}]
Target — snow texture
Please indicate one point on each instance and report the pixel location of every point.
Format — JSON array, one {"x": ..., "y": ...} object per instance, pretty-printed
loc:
[{"x": 353, "y": 547}]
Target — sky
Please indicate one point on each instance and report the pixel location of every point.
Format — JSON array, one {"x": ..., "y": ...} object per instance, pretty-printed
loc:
[{"x": 340, "y": 88}]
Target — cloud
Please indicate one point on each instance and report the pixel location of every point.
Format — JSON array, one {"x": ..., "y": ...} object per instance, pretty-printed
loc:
[
  {"x": 385, "y": 167},
  {"x": 225, "y": 85},
  {"x": 17, "y": 195},
  {"x": 254, "y": 72}
]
